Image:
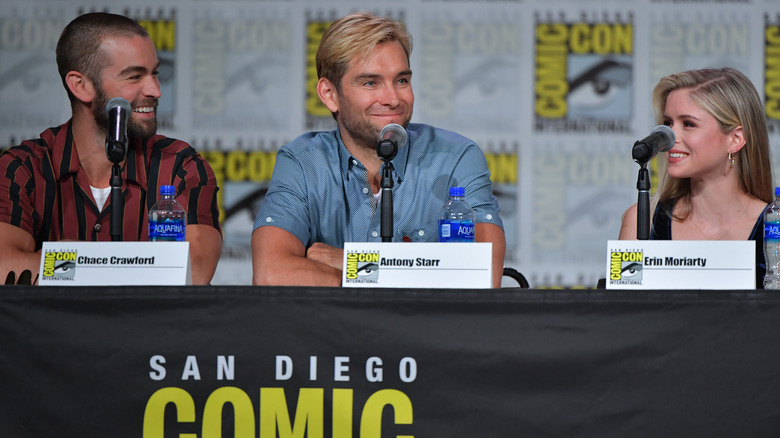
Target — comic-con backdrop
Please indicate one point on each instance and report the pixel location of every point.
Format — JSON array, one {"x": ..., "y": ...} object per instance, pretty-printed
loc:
[{"x": 555, "y": 93}]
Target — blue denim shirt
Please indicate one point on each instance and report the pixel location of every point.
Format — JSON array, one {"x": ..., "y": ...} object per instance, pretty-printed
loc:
[{"x": 320, "y": 193}]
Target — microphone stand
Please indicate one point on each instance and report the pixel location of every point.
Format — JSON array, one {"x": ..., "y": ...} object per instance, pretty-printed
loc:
[
  {"x": 387, "y": 149},
  {"x": 386, "y": 227},
  {"x": 117, "y": 206},
  {"x": 116, "y": 152},
  {"x": 643, "y": 203}
]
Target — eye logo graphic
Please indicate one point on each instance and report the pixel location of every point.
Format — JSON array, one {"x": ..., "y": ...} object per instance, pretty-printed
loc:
[
  {"x": 626, "y": 267},
  {"x": 59, "y": 265},
  {"x": 362, "y": 267},
  {"x": 584, "y": 74}
]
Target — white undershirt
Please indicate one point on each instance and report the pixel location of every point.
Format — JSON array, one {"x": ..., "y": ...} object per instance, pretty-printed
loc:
[{"x": 101, "y": 196}]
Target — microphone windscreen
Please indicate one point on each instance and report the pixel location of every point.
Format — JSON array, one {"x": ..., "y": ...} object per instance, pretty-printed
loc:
[
  {"x": 668, "y": 137},
  {"x": 394, "y": 128},
  {"x": 118, "y": 102}
]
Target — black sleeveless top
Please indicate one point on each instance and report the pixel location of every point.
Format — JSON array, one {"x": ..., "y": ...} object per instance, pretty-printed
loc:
[{"x": 662, "y": 230}]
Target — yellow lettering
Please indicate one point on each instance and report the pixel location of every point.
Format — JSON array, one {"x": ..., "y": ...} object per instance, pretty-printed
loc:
[
  {"x": 261, "y": 166},
  {"x": 308, "y": 415},
  {"x": 243, "y": 412},
  {"x": 615, "y": 267},
  {"x": 601, "y": 38},
  {"x": 235, "y": 166},
  {"x": 623, "y": 39},
  {"x": 371, "y": 420},
  {"x": 314, "y": 105},
  {"x": 154, "y": 415},
  {"x": 342, "y": 412},
  {"x": 162, "y": 33},
  {"x": 579, "y": 42},
  {"x": 48, "y": 265},
  {"x": 551, "y": 85},
  {"x": 772, "y": 72},
  {"x": 503, "y": 168}
]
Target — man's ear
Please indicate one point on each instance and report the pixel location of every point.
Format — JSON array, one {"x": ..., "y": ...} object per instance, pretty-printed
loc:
[
  {"x": 80, "y": 86},
  {"x": 328, "y": 94}
]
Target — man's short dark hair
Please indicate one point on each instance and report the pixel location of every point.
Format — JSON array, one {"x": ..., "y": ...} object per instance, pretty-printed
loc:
[{"x": 78, "y": 48}]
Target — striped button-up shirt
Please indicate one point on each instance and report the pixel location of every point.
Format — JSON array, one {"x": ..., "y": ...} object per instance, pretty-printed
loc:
[{"x": 45, "y": 192}]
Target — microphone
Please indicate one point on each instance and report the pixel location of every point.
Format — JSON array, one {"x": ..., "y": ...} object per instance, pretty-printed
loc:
[
  {"x": 392, "y": 137},
  {"x": 660, "y": 140},
  {"x": 118, "y": 111}
]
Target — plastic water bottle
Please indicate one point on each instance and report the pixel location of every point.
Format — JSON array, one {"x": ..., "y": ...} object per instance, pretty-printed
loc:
[
  {"x": 167, "y": 218},
  {"x": 772, "y": 243},
  {"x": 456, "y": 218}
]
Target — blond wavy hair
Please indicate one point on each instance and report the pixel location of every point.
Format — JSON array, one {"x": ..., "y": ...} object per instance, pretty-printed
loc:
[{"x": 356, "y": 35}]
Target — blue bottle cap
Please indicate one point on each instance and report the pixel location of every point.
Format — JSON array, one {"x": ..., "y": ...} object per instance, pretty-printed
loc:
[
  {"x": 457, "y": 191},
  {"x": 167, "y": 190}
]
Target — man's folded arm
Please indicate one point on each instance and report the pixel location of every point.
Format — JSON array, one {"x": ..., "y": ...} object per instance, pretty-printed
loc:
[
  {"x": 205, "y": 249},
  {"x": 279, "y": 258}
]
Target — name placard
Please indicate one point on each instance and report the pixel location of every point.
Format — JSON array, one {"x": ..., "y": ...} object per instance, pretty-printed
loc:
[
  {"x": 115, "y": 263},
  {"x": 681, "y": 264},
  {"x": 419, "y": 264}
]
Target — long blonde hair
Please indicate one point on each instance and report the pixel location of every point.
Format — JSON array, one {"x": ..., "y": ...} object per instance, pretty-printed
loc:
[{"x": 728, "y": 96}]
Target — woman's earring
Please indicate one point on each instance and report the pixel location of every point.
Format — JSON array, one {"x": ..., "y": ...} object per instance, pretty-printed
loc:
[{"x": 731, "y": 159}]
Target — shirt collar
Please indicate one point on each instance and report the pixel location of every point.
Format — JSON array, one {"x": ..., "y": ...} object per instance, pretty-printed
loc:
[
  {"x": 399, "y": 162},
  {"x": 66, "y": 159}
]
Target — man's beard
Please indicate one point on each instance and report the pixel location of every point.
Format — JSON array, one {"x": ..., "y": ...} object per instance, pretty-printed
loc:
[
  {"x": 140, "y": 130},
  {"x": 362, "y": 131}
]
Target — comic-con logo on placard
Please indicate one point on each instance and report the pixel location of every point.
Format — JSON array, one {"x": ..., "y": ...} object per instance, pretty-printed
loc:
[
  {"x": 583, "y": 74},
  {"x": 625, "y": 267},
  {"x": 362, "y": 267},
  {"x": 59, "y": 265}
]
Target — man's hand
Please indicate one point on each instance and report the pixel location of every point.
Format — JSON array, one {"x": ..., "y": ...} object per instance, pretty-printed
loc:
[{"x": 326, "y": 254}]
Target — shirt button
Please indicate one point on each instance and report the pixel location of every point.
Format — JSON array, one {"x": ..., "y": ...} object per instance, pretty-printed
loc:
[
  {"x": 269, "y": 219},
  {"x": 98, "y": 227},
  {"x": 365, "y": 189},
  {"x": 421, "y": 233},
  {"x": 489, "y": 217},
  {"x": 374, "y": 234}
]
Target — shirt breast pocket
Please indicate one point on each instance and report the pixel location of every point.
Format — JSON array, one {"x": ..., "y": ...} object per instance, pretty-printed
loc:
[{"x": 428, "y": 232}]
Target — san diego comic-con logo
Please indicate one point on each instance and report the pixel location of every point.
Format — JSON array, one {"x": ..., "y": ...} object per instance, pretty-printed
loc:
[
  {"x": 625, "y": 267},
  {"x": 362, "y": 267},
  {"x": 59, "y": 265}
]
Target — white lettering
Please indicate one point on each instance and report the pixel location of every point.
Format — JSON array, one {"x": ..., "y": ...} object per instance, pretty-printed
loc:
[
  {"x": 374, "y": 369},
  {"x": 226, "y": 368},
  {"x": 283, "y": 368},
  {"x": 191, "y": 369},
  {"x": 340, "y": 369},
  {"x": 407, "y": 370},
  {"x": 156, "y": 363}
]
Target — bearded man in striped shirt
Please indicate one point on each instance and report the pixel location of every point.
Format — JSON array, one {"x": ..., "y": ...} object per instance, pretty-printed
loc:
[{"x": 56, "y": 187}]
